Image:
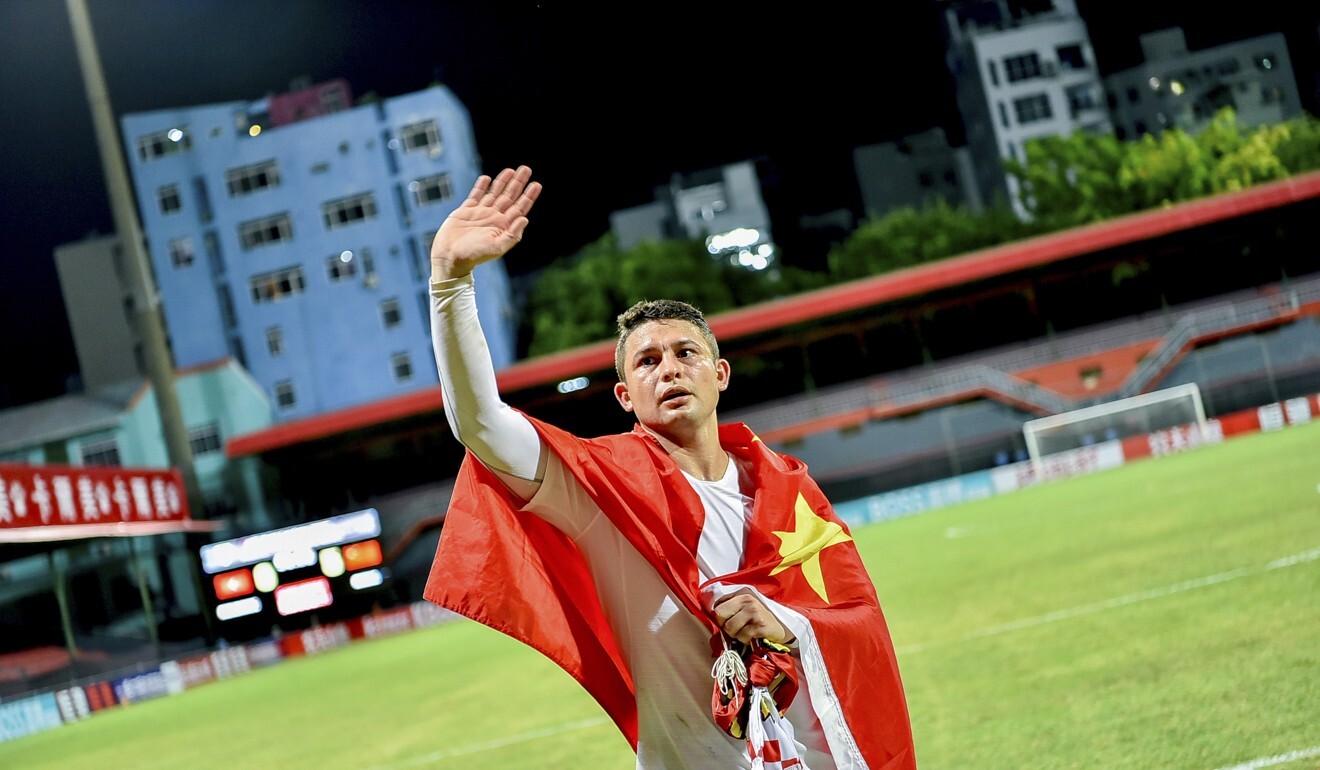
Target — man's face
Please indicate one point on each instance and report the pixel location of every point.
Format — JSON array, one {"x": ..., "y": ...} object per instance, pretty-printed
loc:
[{"x": 671, "y": 376}]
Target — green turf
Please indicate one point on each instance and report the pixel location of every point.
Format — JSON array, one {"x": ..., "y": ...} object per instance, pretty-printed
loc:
[{"x": 1136, "y": 618}]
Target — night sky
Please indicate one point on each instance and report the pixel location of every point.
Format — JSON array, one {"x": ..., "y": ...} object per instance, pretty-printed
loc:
[{"x": 604, "y": 105}]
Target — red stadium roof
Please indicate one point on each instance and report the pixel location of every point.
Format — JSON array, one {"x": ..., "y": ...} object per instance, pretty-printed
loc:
[{"x": 823, "y": 303}]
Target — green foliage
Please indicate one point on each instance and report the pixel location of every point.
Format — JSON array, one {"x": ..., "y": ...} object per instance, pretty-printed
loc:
[
  {"x": 1082, "y": 178},
  {"x": 1065, "y": 181},
  {"x": 576, "y": 300},
  {"x": 1072, "y": 180},
  {"x": 1300, "y": 152},
  {"x": 909, "y": 236}
]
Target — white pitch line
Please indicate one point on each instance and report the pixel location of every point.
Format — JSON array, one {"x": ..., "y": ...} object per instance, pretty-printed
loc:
[
  {"x": 475, "y": 748},
  {"x": 1121, "y": 601},
  {"x": 1277, "y": 759}
]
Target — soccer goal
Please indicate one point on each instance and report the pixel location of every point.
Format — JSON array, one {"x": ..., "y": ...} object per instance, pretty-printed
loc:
[{"x": 1135, "y": 416}]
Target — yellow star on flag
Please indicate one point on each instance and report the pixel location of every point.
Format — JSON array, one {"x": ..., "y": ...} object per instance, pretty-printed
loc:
[{"x": 811, "y": 534}]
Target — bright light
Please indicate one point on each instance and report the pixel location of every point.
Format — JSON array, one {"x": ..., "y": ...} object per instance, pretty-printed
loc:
[
  {"x": 369, "y": 579},
  {"x": 1154, "y": 83},
  {"x": 345, "y": 256},
  {"x": 295, "y": 559},
  {"x": 332, "y": 562},
  {"x": 1267, "y": 63},
  {"x": 175, "y": 135},
  {"x": 265, "y": 577},
  {"x": 364, "y": 554},
  {"x": 254, "y": 130},
  {"x": 577, "y": 383},
  {"x": 303, "y": 596},
  {"x": 739, "y": 238},
  {"x": 1176, "y": 87},
  {"x": 414, "y": 186},
  {"x": 765, "y": 250},
  {"x": 232, "y": 584},
  {"x": 231, "y": 610},
  {"x": 346, "y": 528}
]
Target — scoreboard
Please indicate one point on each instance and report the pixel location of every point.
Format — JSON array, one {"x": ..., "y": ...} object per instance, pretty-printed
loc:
[{"x": 285, "y": 577}]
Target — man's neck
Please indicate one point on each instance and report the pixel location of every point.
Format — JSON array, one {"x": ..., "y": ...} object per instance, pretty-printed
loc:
[{"x": 699, "y": 453}]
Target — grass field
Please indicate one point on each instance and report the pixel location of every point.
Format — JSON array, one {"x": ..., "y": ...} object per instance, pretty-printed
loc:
[{"x": 1162, "y": 615}]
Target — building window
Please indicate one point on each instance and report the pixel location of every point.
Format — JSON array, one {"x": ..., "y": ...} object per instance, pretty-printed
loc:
[
  {"x": 346, "y": 211},
  {"x": 261, "y": 232},
  {"x": 1080, "y": 99},
  {"x": 333, "y": 99},
  {"x": 993, "y": 69},
  {"x": 1003, "y": 114},
  {"x": 275, "y": 341},
  {"x": 1030, "y": 109},
  {"x": 205, "y": 439},
  {"x": 270, "y": 287},
  {"x": 102, "y": 452},
  {"x": 249, "y": 179},
  {"x": 1022, "y": 67},
  {"x": 431, "y": 189},
  {"x": 424, "y": 136},
  {"x": 390, "y": 313},
  {"x": 284, "y": 397},
  {"x": 162, "y": 143},
  {"x": 226, "y": 305},
  {"x": 341, "y": 266},
  {"x": 168, "y": 197},
  {"x": 402, "y": 365},
  {"x": 182, "y": 252},
  {"x": 236, "y": 350},
  {"x": 213, "y": 255},
  {"x": 1071, "y": 57},
  {"x": 203, "y": 198}
]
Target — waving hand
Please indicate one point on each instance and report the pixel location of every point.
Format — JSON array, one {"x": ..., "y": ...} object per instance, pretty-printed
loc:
[{"x": 489, "y": 223}]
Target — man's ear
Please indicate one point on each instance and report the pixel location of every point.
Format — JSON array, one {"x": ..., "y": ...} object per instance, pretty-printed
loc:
[
  {"x": 621, "y": 395},
  {"x": 722, "y": 373}
]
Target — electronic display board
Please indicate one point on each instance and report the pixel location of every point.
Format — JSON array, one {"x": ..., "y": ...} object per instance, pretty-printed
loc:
[{"x": 285, "y": 578}]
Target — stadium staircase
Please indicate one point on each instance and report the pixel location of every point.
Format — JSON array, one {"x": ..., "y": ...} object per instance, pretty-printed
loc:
[{"x": 997, "y": 374}]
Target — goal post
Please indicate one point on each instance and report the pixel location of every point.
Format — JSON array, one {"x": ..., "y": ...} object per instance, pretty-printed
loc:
[{"x": 1118, "y": 419}]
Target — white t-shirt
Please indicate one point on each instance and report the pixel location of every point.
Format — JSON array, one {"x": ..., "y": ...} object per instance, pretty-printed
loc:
[{"x": 665, "y": 647}]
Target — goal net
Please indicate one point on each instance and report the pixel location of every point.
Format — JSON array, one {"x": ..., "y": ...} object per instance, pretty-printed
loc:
[{"x": 1135, "y": 416}]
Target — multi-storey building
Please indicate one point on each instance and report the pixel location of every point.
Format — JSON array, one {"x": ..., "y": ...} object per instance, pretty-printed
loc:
[
  {"x": 1021, "y": 71},
  {"x": 913, "y": 171},
  {"x": 722, "y": 205},
  {"x": 292, "y": 234},
  {"x": 98, "y": 304},
  {"x": 1177, "y": 88}
]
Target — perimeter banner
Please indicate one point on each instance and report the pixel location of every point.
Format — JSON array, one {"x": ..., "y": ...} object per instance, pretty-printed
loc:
[{"x": 53, "y": 502}]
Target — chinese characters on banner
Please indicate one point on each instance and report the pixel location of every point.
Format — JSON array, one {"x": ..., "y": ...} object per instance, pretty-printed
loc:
[{"x": 52, "y": 495}]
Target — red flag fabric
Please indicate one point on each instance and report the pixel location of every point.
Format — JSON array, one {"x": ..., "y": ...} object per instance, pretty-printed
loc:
[{"x": 521, "y": 576}]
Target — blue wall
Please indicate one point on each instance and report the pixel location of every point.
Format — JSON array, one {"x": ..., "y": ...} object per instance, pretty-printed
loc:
[{"x": 337, "y": 351}]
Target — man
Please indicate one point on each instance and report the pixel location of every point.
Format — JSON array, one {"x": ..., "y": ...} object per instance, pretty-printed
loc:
[{"x": 631, "y": 560}]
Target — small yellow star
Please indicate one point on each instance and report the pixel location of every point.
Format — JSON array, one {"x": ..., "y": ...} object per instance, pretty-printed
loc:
[{"x": 811, "y": 534}]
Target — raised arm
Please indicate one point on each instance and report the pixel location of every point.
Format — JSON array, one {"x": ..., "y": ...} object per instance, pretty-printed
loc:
[{"x": 489, "y": 223}]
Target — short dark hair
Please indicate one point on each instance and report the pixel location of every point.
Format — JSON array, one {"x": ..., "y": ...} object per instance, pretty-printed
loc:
[{"x": 660, "y": 310}]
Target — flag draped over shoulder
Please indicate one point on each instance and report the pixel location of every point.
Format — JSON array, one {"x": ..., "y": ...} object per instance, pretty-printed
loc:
[{"x": 521, "y": 576}]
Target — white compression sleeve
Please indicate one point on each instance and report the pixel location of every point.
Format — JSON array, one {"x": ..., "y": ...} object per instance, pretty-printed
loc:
[{"x": 500, "y": 437}]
